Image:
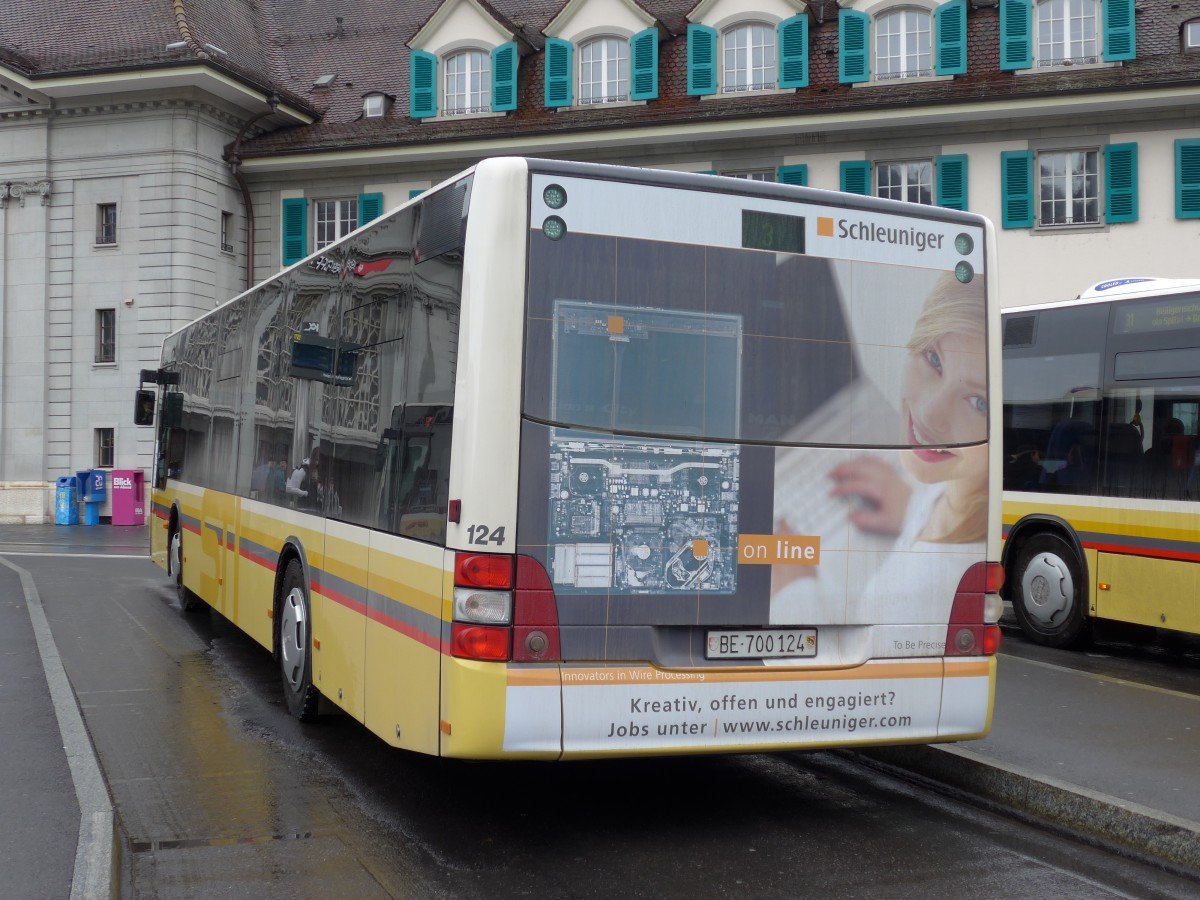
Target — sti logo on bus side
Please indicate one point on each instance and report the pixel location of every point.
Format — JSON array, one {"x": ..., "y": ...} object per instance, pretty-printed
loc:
[{"x": 880, "y": 234}]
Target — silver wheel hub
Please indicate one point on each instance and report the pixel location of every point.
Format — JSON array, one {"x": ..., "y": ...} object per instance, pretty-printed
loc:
[
  {"x": 176, "y": 551},
  {"x": 1048, "y": 589},
  {"x": 293, "y": 638}
]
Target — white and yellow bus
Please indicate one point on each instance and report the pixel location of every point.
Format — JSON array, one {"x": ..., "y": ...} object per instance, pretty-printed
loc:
[
  {"x": 1102, "y": 471},
  {"x": 562, "y": 460}
]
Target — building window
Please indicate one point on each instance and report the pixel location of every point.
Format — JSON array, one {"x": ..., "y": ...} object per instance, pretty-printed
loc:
[
  {"x": 903, "y": 45},
  {"x": 106, "y": 335},
  {"x": 751, "y": 174},
  {"x": 334, "y": 219},
  {"x": 227, "y": 232},
  {"x": 1067, "y": 32},
  {"x": 749, "y": 59},
  {"x": 1191, "y": 35},
  {"x": 468, "y": 83},
  {"x": 374, "y": 106},
  {"x": 106, "y": 223},
  {"x": 105, "y": 442},
  {"x": 604, "y": 71},
  {"x": 911, "y": 181},
  {"x": 1069, "y": 187}
]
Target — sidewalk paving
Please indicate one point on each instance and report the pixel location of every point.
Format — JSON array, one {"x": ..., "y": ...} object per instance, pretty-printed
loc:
[{"x": 1106, "y": 759}]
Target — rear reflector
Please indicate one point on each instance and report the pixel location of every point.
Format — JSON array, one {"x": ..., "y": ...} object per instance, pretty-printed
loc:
[
  {"x": 535, "y": 614},
  {"x": 481, "y": 642}
]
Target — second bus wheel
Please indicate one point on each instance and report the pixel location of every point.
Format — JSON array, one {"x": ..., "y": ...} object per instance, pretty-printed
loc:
[
  {"x": 188, "y": 601},
  {"x": 1047, "y": 592},
  {"x": 295, "y": 645}
]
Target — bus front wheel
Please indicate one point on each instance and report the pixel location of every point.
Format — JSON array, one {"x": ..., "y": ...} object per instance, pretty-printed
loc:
[
  {"x": 295, "y": 645},
  {"x": 1048, "y": 592}
]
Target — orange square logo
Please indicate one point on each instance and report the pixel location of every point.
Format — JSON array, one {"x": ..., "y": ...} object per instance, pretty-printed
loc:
[{"x": 824, "y": 226}]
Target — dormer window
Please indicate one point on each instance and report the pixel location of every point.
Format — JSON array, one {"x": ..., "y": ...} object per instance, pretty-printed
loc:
[
  {"x": 882, "y": 42},
  {"x": 468, "y": 84},
  {"x": 472, "y": 81},
  {"x": 604, "y": 70},
  {"x": 1066, "y": 32},
  {"x": 748, "y": 55},
  {"x": 1191, "y": 35},
  {"x": 749, "y": 58},
  {"x": 601, "y": 52},
  {"x": 1056, "y": 34},
  {"x": 903, "y": 42},
  {"x": 374, "y": 106}
]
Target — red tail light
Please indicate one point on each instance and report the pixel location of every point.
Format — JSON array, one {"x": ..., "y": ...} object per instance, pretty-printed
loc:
[
  {"x": 969, "y": 633},
  {"x": 483, "y": 642},
  {"x": 535, "y": 614},
  {"x": 483, "y": 570}
]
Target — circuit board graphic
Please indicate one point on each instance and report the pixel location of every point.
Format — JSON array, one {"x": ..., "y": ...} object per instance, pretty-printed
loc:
[{"x": 629, "y": 516}]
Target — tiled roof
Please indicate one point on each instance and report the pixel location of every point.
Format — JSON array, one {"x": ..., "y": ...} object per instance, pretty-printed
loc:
[{"x": 287, "y": 44}]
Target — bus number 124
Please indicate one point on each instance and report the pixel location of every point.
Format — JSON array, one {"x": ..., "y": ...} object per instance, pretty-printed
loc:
[{"x": 482, "y": 534}]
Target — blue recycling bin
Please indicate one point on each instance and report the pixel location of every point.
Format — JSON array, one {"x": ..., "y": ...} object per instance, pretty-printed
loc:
[
  {"x": 66, "y": 501},
  {"x": 93, "y": 491}
]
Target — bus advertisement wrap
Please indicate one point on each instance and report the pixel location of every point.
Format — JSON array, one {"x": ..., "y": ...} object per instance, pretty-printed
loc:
[{"x": 559, "y": 460}]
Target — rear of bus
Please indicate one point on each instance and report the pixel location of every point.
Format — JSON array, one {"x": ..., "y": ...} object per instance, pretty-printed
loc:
[{"x": 755, "y": 506}]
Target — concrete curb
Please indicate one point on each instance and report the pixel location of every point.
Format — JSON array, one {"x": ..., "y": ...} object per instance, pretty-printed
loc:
[{"x": 1127, "y": 828}]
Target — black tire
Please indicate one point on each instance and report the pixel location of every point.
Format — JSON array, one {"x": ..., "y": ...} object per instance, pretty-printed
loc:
[
  {"x": 294, "y": 649},
  {"x": 188, "y": 601},
  {"x": 1048, "y": 594}
]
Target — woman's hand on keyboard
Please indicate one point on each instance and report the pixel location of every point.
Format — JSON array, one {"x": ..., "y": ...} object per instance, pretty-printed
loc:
[{"x": 878, "y": 493}]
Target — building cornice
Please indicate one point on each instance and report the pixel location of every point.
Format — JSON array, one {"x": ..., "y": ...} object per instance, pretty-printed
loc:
[
  {"x": 201, "y": 77},
  {"x": 798, "y": 128}
]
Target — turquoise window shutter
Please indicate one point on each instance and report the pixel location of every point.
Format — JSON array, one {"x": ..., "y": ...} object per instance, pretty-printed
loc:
[
  {"x": 792, "y": 174},
  {"x": 950, "y": 24},
  {"x": 370, "y": 208},
  {"x": 422, "y": 85},
  {"x": 793, "y": 52},
  {"x": 854, "y": 46},
  {"x": 504, "y": 77},
  {"x": 952, "y": 181},
  {"x": 1016, "y": 35},
  {"x": 1120, "y": 32},
  {"x": 1187, "y": 179},
  {"x": 295, "y": 230},
  {"x": 643, "y": 51},
  {"x": 702, "y": 60},
  {"x": 1016, "y": 189},
  {"x": 558, "y": 73},
  {"x": 415, "y": 192},
  {"x": 1120, "y": 183},
  {"x": 854, "y": 177}
]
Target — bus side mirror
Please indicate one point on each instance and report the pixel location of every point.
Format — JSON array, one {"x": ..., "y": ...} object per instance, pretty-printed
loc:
[{"x": 143, "y": 408}]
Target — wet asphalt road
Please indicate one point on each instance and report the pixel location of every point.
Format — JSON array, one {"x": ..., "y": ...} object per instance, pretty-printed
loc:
[{"x": 219, "y": 793}]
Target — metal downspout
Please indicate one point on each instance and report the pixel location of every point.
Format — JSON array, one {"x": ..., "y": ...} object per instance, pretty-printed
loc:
[{"x": 233, "y": 161}]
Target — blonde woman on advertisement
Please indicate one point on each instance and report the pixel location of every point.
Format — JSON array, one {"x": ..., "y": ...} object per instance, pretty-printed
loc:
[
  {"x": 943, "y": 401},
  {"x": 933, "y": 502}
]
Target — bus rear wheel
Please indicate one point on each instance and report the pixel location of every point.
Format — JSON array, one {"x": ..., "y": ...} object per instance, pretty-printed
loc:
[
  {"x": 1047, "y": 592},
  {"x": 188, "y": 601},
  {"x": 295, "y": 645}
]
